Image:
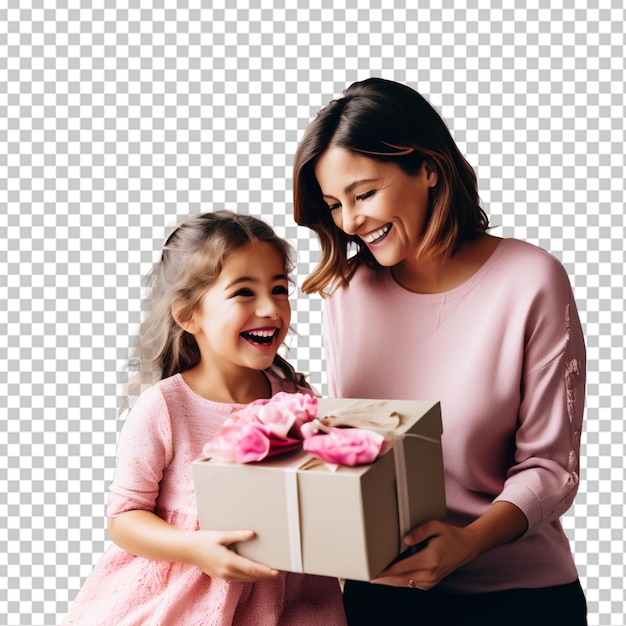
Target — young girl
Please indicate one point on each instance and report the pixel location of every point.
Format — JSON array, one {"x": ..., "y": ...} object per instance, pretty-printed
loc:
[
  {"x": 219, "y": 311},
  {"x": 426, "y": 304}
]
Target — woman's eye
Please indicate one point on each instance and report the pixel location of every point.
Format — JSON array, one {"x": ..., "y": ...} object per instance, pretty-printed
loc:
[
  {"x": 332, "y": 207},
  {"x": 245, "y": 292},
  {"x": 366, "y": 195},
  {"x": 280, "y": 290}
]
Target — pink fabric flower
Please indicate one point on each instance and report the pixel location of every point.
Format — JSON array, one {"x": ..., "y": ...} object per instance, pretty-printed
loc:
[
  {"x": 277, "y": 417},
  {"x": 248, "y": 442},
  {"x": 258, "y": 442},
  {"x": 224, "y": 445},
  {"x": 253, "y": 444},
  {"x": 283, "y": 412},
  {"x": 301, "y": 405},
  {"x": 279, "y": 424},
  {"x": 263, "y": 428},
  {"x": 344, "y": 446}
]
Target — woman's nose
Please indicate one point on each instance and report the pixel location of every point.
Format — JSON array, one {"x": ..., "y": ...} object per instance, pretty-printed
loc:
[{"x": 350, "y": 220}]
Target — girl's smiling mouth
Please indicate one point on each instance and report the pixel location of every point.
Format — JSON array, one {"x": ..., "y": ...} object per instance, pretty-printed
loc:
[
  {"x": 376, "y": 235},
  {"x": 260, "y": 336}
]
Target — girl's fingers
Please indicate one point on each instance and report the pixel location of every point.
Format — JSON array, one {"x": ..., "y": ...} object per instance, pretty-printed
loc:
[
  {"x": 241, "y": 568},
  {"x": 228, "y": 537},
  {"x": 251, "y": 570}
]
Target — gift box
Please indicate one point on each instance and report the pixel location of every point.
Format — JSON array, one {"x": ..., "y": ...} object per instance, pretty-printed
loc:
[{"x": 346, "y": 522}]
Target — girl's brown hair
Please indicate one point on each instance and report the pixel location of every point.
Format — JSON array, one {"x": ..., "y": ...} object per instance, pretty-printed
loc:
[
  {"x": 391, "y": 122},
  {"x": 191, "y": 261}
]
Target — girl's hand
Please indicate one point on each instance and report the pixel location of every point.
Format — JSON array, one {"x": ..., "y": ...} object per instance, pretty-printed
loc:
[
  {"x": 450, "y": 547},
  {"x": 145, "y": 534},
  {"x": 213, "y": 555}
]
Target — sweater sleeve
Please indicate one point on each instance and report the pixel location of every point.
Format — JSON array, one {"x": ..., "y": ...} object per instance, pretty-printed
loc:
[
  {"x": 329, "y": 348},
  {"x": 545, "y": 477},
  {"x": 144, "y": 451}
]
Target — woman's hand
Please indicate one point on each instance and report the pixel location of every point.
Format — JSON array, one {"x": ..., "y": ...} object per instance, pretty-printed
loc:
[
  {"x": 213, "y": 555},
  {"x": 145, "y": 534},
  {"x": 447, "y": 548},
  {"x": 450, "y": 547}
]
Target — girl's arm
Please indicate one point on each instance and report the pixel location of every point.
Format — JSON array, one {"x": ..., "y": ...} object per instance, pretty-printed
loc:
[
  {"x": 145, "y": 534},
  {"x": 450, "y": 547}
]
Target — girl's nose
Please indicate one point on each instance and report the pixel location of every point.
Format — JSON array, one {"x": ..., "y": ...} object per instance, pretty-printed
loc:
[{"x": 268, "y": 308}]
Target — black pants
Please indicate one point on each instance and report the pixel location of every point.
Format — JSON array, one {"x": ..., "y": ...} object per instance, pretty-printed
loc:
[{"x": 368, "y": 605}]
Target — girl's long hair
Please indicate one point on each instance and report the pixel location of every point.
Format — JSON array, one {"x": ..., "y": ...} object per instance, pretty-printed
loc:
[
  {"x": 191, "y": 261},
  {"x": 390, "y": 122}
]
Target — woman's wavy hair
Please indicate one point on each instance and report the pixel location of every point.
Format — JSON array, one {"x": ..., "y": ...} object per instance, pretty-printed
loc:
[
  {"x": 191, "y": 261},
  {"x": 390, "y": 122}
]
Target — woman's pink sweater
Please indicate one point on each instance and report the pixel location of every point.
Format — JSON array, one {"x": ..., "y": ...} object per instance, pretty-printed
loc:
[{"x": 505, "y": 355}]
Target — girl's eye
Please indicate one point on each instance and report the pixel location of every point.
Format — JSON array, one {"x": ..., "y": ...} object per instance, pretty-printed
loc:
[
  {"x": 366, "y": 195},
  {"x": 332, "y": 207},
  {"x": 280, "y": 290},
  {"x": 245, "y": 292}
]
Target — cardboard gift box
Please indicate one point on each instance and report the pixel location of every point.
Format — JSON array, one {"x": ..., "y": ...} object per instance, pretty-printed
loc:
[{"x": 347, "y": 523}]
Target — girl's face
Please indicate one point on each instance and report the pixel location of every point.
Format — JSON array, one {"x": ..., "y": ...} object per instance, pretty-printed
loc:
[
  {"x": 376, "y": 201},
  {"x": 244, "y": 317}
]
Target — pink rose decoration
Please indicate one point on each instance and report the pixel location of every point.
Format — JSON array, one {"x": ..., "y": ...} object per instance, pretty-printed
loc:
[
  {"x": 263, "y": 428},
  {"x": 344, "y": 446},
  {"x": 258, "y": 442},
  {"x": 253, "y": 444},
  {"x": 244, "y": 443},
  {"x": 303, "y": 406},
  {"x": 286, "y": 422},
  {"x": 283, "y": 412},
  {"x": 277, "y": 418}
]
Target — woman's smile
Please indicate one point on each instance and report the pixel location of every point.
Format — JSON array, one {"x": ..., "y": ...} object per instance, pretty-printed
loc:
[
  {"x": 377, "y": 235},
  {"x": 371, "y": 199}
]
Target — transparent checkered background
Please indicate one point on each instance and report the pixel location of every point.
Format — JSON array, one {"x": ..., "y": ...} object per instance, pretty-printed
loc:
[{"x": 115, "y": 121}]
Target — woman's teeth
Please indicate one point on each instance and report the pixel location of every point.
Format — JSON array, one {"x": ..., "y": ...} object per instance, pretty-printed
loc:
[{"x": 377, "y": 235}]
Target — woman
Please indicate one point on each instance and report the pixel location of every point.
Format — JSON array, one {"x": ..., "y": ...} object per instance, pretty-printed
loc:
[{"x": 425, "y": 304}]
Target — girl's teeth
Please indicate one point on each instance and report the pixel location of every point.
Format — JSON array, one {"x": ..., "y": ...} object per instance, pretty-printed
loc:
[
  {"x": 260, "y": 336},
  {"x": 261, "y": 333}
]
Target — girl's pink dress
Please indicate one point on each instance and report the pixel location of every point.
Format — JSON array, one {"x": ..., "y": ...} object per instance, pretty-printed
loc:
[{"x": 165, "y": 431}]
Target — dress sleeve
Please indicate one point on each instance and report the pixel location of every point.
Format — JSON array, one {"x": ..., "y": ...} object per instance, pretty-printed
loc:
[
  {"x": 545, "y": 477},
  {"x": 144, "y": 451}
]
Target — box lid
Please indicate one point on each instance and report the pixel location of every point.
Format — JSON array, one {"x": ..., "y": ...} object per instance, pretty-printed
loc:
[{"x": 417, "y": 417}]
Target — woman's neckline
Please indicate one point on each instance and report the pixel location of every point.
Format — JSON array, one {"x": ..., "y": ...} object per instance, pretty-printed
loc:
[{"x": 459, "y": 288}]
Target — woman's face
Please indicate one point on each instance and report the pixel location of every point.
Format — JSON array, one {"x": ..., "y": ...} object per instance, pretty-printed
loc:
[{"x": 376, "y": 201}]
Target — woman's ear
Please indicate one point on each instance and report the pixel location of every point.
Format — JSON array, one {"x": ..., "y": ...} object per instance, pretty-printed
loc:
[
  {"x": 431, "y": 173},
  {"x": 182, "y": 316}
]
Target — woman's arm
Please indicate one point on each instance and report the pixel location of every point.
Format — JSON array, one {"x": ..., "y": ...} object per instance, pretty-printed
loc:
[{"x": 145, "y": 534}]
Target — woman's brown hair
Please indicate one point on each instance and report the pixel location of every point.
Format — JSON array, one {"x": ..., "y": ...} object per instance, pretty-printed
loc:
[{"x": 391, "y": 122}]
